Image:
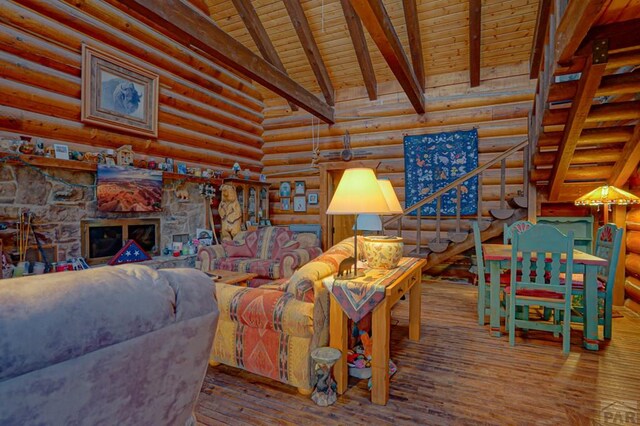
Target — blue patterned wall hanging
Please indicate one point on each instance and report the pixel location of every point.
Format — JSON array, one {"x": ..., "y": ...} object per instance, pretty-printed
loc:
[{"x": 433, "y": 161}]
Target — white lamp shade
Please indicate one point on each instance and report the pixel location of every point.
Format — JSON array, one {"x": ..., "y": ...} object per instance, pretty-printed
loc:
[
  {"x": 390, "y": 196},
  {"x": 358, "y": 192}
]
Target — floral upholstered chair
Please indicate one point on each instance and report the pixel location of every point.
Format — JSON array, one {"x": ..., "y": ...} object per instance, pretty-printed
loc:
[
  {"x": 271, "y": 330},
  {"x": 271, "y": 252}
]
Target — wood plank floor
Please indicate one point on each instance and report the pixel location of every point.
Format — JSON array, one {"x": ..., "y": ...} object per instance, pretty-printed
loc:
[{"x": 455, "y": 374}]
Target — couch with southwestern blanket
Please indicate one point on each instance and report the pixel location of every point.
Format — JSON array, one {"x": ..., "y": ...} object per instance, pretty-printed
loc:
[
  {"x": 117, "y": 345},
  {"x": 271, "y": 330},
  {"x": 271, "y": 252}
]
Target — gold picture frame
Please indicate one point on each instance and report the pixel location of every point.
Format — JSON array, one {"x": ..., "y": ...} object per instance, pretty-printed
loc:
[{"x": 118, "y": 94}]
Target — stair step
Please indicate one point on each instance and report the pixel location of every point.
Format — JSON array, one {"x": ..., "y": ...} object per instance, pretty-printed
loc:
[
  {"x": 438, "y": 247},
  {"x": 457, "y": 237},
  {"x": 519, "y": 202},
  {"x": 502, "y": 214},
  {"x": 423, "y": 252}
]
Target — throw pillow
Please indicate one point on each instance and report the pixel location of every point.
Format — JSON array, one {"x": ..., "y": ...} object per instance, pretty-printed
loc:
[
  {"x": 288, "y": 247},
  {"x": 236, "y": 250}
]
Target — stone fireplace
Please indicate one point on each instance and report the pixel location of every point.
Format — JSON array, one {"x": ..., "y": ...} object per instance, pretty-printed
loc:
[{"x": 59, "y": 209}]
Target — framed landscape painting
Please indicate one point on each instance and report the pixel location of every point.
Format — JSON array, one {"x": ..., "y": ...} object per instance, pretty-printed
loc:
[
  {"x": 128, "y": 189},
  {"x": 118, "y": 94}
]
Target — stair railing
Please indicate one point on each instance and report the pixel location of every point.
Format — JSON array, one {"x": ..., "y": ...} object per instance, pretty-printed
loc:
[{"x": 438, "y": 245}]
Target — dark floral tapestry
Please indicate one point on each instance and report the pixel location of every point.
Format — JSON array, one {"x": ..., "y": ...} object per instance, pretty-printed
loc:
[{"x": 433, "y": 161}]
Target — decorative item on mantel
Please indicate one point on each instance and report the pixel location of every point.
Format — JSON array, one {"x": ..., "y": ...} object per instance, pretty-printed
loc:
[
  {"x": 124, "y": 155},
  {"x": 236, "y": 168}
]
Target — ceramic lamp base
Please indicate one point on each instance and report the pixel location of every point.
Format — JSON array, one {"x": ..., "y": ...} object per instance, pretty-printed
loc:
[{"x": 383, "y": 252}]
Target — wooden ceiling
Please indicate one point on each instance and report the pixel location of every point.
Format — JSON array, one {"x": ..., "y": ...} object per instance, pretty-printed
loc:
[
  {"x": 507, "y": 28},
  {"x": 587, "y": 112}
]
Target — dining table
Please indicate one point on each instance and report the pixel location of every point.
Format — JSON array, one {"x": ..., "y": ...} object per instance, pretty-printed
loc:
[{"x": 498, "y": 257}]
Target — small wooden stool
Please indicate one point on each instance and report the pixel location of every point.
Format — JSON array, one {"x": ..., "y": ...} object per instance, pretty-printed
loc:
[{"x": 325, "y": 392}]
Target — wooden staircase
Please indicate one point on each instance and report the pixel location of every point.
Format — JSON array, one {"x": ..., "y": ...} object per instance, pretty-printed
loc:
[{"x": 438, "y": 239}]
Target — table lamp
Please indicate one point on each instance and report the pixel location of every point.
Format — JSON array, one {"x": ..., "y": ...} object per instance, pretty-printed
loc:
[
  {"x": 606, "y": 195},
  {"x": 358, "y": 193},
  {"x": 384, "y": 252}
]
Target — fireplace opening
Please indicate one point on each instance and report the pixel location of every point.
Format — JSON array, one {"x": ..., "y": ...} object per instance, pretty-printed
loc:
[{"x": 101, "y": 239}]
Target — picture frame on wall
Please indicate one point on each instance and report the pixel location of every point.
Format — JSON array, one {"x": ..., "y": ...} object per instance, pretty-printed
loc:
[
  {"x": 285, "y": 203},
  {"x": 285, "y": 189},
  {"x": 300, "y": 187},
  {"x": 118, "y": 94},
  {"x": 312, "y": 198},
  {"x": 300, "y": 203}
]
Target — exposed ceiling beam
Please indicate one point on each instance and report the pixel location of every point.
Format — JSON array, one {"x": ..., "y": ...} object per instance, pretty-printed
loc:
[
  {"x": 578, "y": 18},
  {"x": 197, "y": 31},
  {"x": 475, "y": 13},
  {"x": 539, "y": 36},
  {"x": 260, "y": 37},
  {"x": 621, "y": 36},
  {"x": 301, "y": 25},
  {"x": 589, "y": 82},
  {"x": 415, "y": 43},
  {"x": 362, "y": 51},
  {"x": 628, "y": 161},
  {"x": 377, "y": 21},
  {"x": 201, "y": 5}
]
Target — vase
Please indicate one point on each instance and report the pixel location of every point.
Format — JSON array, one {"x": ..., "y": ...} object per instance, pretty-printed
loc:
[{"x": 383, "y": 252}]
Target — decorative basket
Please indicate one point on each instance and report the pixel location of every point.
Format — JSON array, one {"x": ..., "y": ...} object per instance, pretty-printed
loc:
[{"x": 383, "y": 252}]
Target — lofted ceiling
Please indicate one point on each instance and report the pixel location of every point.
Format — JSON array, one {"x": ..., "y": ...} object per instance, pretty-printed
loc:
[{"x": 507, "y": 28}]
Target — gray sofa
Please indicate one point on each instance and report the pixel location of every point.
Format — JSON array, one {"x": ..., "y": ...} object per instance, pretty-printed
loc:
[{"x": 122, "y": 345}]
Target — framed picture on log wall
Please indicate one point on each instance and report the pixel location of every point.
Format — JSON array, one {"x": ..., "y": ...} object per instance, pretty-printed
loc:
[{"x": 118, "y": 94}]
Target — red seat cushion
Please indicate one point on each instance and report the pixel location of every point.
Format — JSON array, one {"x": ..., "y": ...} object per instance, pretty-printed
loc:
[
  {"x": 505, "y": 278},
  {"x": 536, "y": 293}
]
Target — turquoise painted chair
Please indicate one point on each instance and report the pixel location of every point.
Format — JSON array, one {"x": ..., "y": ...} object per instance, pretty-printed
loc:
[
  {"x": 608, "y": 240},
  {"x": 484, "y": 305},
  {"x": 519, "y": 226},
  {"x": 540, "y": 289}
]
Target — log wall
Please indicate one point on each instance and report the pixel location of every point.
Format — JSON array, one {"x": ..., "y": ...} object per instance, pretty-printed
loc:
[
  {"x": 632, "y": 260},
  {"x": 207, "y": 114},
  {"x": 498, "y": 109}
]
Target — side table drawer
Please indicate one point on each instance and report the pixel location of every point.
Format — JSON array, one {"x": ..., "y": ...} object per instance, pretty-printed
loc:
[{"x": 401, "y": 289}]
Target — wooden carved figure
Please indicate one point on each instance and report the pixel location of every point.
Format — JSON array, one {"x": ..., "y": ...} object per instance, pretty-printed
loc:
[
  {"x": 346, "y": 266},
  {"x": 230, "y": 212}
]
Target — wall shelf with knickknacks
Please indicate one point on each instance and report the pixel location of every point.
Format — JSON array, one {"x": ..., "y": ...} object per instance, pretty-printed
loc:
[
  {"x": 57, "y": 163},
  {"x": 253, "y": 197}
]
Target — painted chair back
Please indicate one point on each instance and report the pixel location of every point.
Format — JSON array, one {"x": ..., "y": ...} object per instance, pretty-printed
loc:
[
  {"x": 608, "y": 240},
  {"x": 541, "y": 249},
  {"x": 519, "y": 226}
]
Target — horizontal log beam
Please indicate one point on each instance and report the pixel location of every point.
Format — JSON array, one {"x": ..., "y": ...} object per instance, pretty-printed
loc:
[
  {"x": 40, "y": 125},
  {"x": 193, "y": 29},
  {"x": 575, "y": 174},
  {"x": 616, "y": 84},
  {"x": 597, "y": 113},
  {"x": 583, "y": 156},
  {"x": 596, "y": 136},
  {"x": 628, "y": 162}
]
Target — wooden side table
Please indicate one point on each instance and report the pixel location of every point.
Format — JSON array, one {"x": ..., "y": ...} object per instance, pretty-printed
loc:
[
  {"x": 231, "y": 277},
  {"x": 381, "y": 329}
]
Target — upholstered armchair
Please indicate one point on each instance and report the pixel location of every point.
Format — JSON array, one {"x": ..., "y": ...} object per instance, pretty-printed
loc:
[
  {"x": 271, "y": 330},
  {"x": 271, "y": 253}
]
